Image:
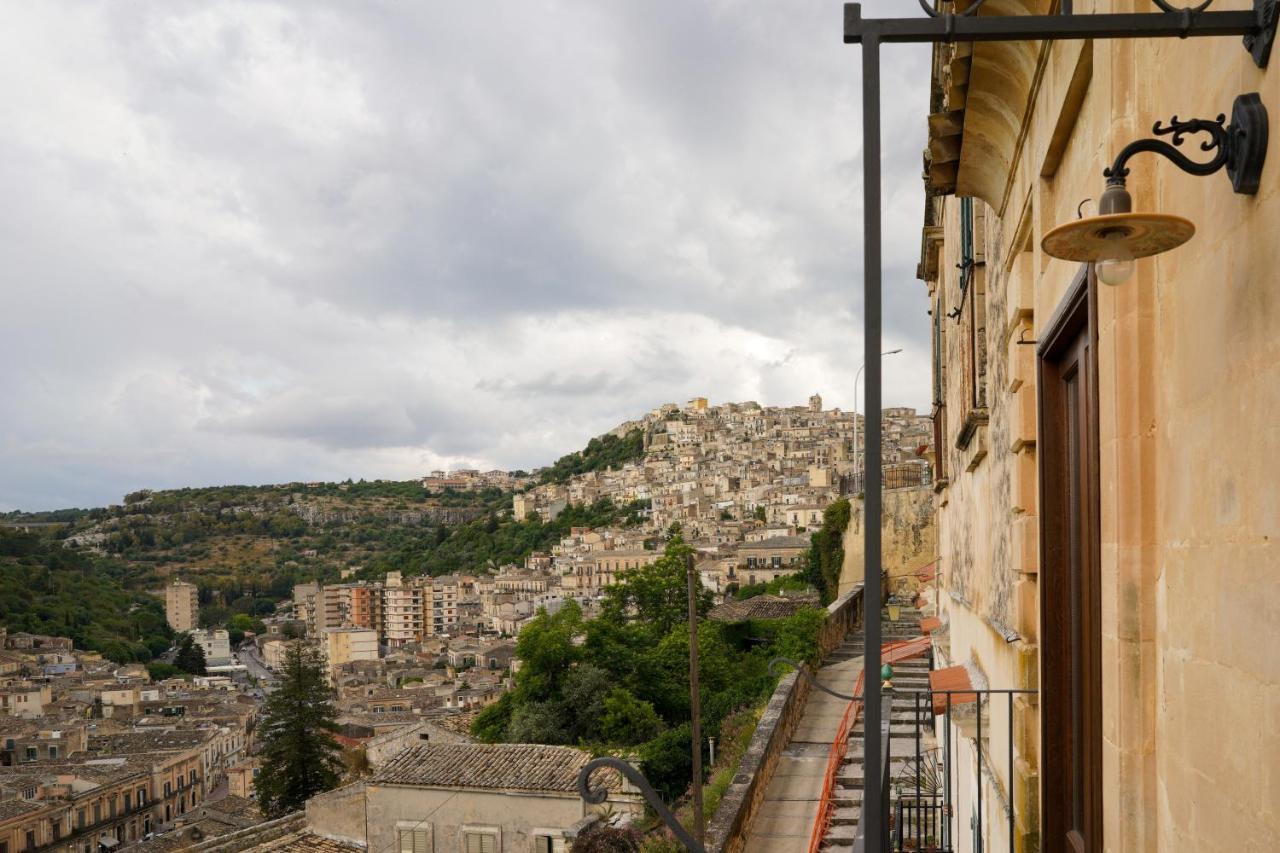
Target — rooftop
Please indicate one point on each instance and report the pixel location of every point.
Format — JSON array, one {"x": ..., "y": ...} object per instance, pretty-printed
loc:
[
  {"x": 758, "y": 607},
  {"x": 517, "y": 766}
]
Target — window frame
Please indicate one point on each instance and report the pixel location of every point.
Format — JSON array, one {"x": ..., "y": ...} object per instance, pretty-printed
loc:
[{"x": 494, "y": 832}]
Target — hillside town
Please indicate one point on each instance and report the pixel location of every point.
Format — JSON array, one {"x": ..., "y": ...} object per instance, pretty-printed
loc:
[{"x": 102, "y": 756}]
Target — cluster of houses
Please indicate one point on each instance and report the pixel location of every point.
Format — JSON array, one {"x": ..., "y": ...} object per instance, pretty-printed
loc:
[{"x": 715, "y": 470}]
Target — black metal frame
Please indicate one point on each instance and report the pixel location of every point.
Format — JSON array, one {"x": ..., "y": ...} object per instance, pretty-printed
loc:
[{"x": 1258, "y": 29}]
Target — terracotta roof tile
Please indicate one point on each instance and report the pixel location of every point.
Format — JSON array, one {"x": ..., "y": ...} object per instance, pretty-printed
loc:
[
  {"x": 505, "y": 766},
  {"x": 758, "y": 607},
  {"x": 306, "y": 842}
]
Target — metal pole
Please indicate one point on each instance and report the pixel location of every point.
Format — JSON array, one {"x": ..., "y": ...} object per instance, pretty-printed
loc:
[
  {"x": 695, "y": 698},
  {"x": 857, "y": 377},
  {"x": 873, "y": 800}
]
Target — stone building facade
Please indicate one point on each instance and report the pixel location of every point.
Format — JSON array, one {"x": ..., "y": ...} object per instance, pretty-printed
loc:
[{"x": 1146, "y": 412}]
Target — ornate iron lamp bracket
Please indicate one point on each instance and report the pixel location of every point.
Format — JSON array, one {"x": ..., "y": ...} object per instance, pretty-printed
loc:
[
  {"x": 1241, "y": 147},
  {"x": 595, "y": 796}
]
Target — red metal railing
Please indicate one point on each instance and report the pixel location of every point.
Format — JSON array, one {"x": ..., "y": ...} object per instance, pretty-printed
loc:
[{"x": 889, "y": 653}]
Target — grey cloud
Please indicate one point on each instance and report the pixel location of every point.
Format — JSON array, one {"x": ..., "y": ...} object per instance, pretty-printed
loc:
[{"x": 280, "y": 240}]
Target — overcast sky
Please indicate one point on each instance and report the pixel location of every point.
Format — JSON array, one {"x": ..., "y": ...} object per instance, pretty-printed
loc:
[{"x": 255, "y": 242}]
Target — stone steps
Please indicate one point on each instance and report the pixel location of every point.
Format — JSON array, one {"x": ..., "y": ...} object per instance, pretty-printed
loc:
[{"x": 904, "y": 719}]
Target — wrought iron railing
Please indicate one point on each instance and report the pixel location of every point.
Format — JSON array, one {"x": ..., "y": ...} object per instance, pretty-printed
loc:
[
  {"x": 932, "y": 798},
  {"x": 894, "y": 476}
]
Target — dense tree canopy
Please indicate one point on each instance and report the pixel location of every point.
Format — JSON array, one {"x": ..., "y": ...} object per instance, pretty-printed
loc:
[
  {"x": 605, "y": 452},
  {"x": 100, "y": 603},
  {"x": 621, "y": 681}
]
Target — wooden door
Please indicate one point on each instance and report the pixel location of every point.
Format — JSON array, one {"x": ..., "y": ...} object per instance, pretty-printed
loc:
[{"x": 1070, "y": 600}]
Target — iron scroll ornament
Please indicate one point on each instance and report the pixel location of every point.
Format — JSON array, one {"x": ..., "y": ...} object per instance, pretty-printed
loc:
[
  {"x": 967, "y": 13},
  {"x": 595, "y": 796},
  {"x": 1240, "y": 147},
  {"x": 1163, "y": 5}
]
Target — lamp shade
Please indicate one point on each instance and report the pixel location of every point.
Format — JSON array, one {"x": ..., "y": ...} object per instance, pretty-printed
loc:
[{"x": 1098, "y": 237}]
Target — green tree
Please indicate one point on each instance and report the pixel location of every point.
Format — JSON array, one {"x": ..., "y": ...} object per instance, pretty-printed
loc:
[
  {"x": 626, "y": 720},
  {"x": 159, "y": 671},
  {"x": 190, "y": 656},
  {"x": 657, "y": 594},
  {"x": 826, "y": 551},
  {"x": 300, "y": 758},
  {"x": 761, "y": 514}
]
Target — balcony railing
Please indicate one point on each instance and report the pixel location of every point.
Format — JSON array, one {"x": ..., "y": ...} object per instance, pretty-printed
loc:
[
  {"x": 953, "y": 788},
  {"x": 895, "y": 476}
]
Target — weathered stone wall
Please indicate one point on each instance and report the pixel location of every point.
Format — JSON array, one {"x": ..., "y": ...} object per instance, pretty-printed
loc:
[
  {"x": 1189, "y": 386},
  {"x": 728, "y": 828},
  {"x": 909, "y": 535},
  {"x": 340, "y": 813}
]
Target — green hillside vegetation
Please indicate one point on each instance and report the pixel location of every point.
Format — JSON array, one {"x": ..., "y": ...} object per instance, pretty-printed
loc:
[
  {"x": 826, "y": 549},
  {"x": 246, "y": 546},
  {"x": 99, "y": 602},
  {"x": 256, "y": 542},
  {"x": 603, "y": 453},
  {"x": 620, "y": 682}
]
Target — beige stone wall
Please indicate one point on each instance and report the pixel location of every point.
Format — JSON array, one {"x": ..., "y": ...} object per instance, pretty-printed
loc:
[
  {"x": 1189, "y": 396},
  {"x": 516, "y": 816},
  {"x": 909, "y": 538}
]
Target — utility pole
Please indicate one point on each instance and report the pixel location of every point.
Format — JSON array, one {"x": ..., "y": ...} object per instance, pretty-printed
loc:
[{"x": 695, "y": 697}]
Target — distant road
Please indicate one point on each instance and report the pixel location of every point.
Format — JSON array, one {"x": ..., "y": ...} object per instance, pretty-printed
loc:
[{"x": 246, "y": 654}]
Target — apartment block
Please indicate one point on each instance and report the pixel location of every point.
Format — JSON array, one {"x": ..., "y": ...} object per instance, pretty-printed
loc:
[
  {"x": 441, "y": 608},
  {"x": 343, "y": 645},
  {"x": 182, "y": 606},
  {"x": 403, "y": 619}
]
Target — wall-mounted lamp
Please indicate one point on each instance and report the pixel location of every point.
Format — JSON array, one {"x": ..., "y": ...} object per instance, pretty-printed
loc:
[{"x": 1114, "y": 238}]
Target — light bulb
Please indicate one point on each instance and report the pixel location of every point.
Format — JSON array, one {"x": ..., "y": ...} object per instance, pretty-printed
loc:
[{"x": 1116, "y": 266}]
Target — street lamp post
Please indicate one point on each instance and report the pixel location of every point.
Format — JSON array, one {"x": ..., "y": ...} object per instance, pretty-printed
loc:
[{"x": 856, "y": 379}]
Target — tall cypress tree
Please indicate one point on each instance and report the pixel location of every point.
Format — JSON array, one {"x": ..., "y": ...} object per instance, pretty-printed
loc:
[
  {"x": 190, "y": 656},
  {"x": 300, "y": 758}
]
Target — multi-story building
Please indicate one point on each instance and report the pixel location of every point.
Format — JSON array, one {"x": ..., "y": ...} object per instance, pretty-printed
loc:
[
  {"x": 182, "y": 606},
  {"x": 441, "y": 605},
  {"x": 344, "y": 645},
  {"x": 763, "y": 561},
  {"x": 333, "y": 606},
  {"x": 74, "y": 808},
  {"x": 402, "y": 611},
  {"x": 304, "y": 603},
  {"x": 216, "y": 644},
  {"x": 27, "y": 699},
  {"x": 366, "y": 606},
  {"x": 1106, "y": 455}
]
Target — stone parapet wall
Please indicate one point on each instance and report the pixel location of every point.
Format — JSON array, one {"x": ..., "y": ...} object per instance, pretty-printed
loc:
[{"x": 727, "y": 831}]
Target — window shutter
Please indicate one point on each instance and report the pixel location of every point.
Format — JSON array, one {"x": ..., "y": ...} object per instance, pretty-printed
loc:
[
  {"x": 417, "y": 840},
  {"x": 481, "y": 842}
]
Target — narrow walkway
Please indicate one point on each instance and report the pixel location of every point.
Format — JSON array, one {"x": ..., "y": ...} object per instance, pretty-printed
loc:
[{"x": 784, "y": 822}]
